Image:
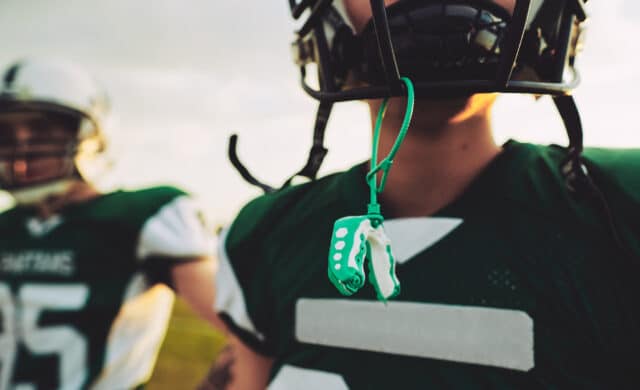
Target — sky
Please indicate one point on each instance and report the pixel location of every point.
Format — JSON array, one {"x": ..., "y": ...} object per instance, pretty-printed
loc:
[{"x": 183, "y": 76}]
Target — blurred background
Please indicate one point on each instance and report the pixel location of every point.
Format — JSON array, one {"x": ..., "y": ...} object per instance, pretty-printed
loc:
[{"x": 183, "y": 76}]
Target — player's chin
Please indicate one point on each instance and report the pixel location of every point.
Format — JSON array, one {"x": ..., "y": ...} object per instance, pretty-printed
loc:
[{"x": 457, "y": 103}]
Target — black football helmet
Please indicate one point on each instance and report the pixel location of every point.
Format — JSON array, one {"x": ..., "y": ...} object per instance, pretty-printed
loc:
[{"x": 447, "y": 48}]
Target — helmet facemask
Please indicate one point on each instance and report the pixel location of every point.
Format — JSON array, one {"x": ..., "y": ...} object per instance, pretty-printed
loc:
[
  {"x": 37, "y": 148},
  {"x": 445, "y": 46},
  {"x": 456, "y": 41}
]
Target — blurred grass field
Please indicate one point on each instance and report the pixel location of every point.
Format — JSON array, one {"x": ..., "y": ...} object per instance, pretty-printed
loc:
[{"x": 188, "y": 351}]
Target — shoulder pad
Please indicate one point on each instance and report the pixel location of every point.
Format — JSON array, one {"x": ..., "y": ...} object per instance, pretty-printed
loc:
[
  {"x": 134, "y": 206},
  {"x": 620, "y": 167},
  {"x": 286, "y": 209}
]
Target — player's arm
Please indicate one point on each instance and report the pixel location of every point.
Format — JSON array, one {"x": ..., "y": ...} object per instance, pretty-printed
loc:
[
  {"x": 193, "y": 280},
  {"x": 239, "y": 297},
  {"x": 238, "y": 367},
  {"x": 249, "y": 370},
  {"x": 177, "y": 248}
]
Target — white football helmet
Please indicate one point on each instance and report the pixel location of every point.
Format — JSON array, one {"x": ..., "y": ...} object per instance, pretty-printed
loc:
[{"x": 52, "y": 87}]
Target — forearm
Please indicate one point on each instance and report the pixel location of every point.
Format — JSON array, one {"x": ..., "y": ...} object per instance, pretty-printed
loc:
[
  {"x": 238, "y": 368},
  {"x": 194, "y": 281}
]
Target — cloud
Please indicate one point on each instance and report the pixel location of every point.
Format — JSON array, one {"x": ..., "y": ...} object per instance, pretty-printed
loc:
[{"x": 164, "y": 33}]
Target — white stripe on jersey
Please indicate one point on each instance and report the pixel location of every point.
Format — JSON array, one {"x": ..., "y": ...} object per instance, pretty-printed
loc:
[
  {"x": 176, "y": 230},
  {"x": 410, "y": 236},
  {"x": 295, "y": 378},
  {"x": 465, "y": 334},
  {"x": 229, "y": 295},
  {"x": 135, "y": 336}
]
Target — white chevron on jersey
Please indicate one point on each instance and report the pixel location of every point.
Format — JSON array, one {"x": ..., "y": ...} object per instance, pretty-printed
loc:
[{"x": 411, "y": 236}]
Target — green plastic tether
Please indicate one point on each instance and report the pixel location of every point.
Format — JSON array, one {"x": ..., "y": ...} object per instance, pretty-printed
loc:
[{"x": 373, "y": 209}]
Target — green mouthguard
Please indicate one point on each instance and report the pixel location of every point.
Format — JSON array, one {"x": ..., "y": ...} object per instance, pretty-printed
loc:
[{"x": 357, "y": 238}]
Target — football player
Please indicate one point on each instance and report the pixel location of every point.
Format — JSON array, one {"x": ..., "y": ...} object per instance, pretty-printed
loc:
[
  {"x": 515, "y": 265},
  {"x": 81, "y": 304}
]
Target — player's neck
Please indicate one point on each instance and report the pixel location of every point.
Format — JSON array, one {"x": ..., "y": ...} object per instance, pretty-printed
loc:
[
  {"x": 78, "y": 192},
  {"x": 437, "y": 160}
]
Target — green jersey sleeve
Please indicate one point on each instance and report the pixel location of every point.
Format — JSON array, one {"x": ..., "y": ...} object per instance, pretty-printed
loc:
[
  {"x": 170, "y": 224},
  {"x": 176, "y": 230},
  {"x": 252, "y": 261},
  {"x": 242, "y": 288}
]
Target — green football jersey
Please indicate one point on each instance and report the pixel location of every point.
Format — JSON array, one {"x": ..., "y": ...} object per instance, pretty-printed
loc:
[
  {"x": 80, "y": 305},
  {"x": 517, "y": 284}
]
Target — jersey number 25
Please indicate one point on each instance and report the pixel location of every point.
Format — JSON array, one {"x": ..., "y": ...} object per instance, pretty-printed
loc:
[{"x": 19, "y": 317}]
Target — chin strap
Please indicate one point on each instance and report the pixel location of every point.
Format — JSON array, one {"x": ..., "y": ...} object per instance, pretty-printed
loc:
[
  {"x": 318, "y": 150},
  {"x": 314, "y": 161},
  {"x": 244, "y": 172},
  {"x": 573, "y": 169},
  {"x": 577, "y": 177}
]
